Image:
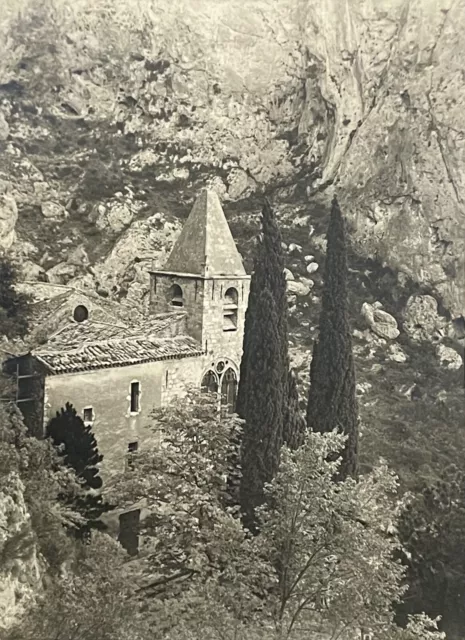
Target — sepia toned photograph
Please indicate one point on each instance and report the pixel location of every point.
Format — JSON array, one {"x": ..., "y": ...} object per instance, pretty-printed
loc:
[{"x": 232, "y": 319}]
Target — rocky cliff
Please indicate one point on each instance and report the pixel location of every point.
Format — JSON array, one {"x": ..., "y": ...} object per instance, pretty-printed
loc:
[{"x": 113, "y": 111}]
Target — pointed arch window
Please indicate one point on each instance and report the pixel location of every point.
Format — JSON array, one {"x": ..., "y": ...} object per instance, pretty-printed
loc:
[
  {"x": 229, "y": 391},
  {"x": 230, "y": 309},
  {"x": 175, "y": 296},
  {"x": 210, "y": 382}
]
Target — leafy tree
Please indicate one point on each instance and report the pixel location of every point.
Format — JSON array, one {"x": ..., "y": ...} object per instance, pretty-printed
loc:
[
  {"x": 93, "y": 598},
  {"x": 263, "y": 382},
  {"x": 334, "y": 544},
  {"x": 14, "y": 306},
  {"x": 432, "y": 531},
  {"x": 332, "y": 402},
  {"x": 195, "y": 552},
  {"x": 78, "y": 447}
]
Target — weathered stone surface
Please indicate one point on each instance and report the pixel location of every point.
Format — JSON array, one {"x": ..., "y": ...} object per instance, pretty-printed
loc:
[
  {"x": 4, "y": 127},
  {"x": 53, "y": 210},
  {"x": 297, "y": 288},
  {"x": 396, "y": 354},
  {"x": 422, "y": 321},
  {"x": 448, "y": 357},
  {"x": 8, "y": 218},
  {"x": 380, "y": 322},
  {"x": 288, "y": 274},
  {"x": 61, "y": 273}
]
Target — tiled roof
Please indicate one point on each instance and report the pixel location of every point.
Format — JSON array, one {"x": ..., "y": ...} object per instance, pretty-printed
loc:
[{"x": 96, "y": 345}]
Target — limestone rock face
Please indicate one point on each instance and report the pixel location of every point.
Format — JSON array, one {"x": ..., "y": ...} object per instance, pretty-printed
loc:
[
  {"x": 422, "y": 321},
  {"x": 448, "y": 357},
  {"x": 302, "y": 97},
  {"x": 380, "y": 322},
  {"x": 20, "y": 577},
  {"x": 8, "y": 217}
]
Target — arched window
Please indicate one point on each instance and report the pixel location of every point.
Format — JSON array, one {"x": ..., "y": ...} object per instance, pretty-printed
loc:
[
  {"x": 229, "y": 391},
  {"x": 80, "y": 313},
  {"x": 210, "y": 382},
  {"x": 175, "y": 296},
  {"x": 230, "y": 310}
]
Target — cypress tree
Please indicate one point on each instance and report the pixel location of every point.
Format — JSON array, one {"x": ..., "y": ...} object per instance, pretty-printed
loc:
[
  {"x": 294, "y": 426},
  {"x": 79, "y": 450},
  {"x": 332, "y": 400},
  {"x": 262, "y": 393}
]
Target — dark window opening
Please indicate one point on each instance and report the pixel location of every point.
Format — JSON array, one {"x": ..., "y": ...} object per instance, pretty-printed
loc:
[
  {"x": 229, "y": 391},
  {"x": 129, "y": 531},
  {"x": 209, "y": 383},
  {"x": 88, "y": 414},
  {"x": 80, "y": 313},
  {"x": 230, "y": 310},
  {"x": 175, "y": 296},
  {"x": 135, "y": 393},
  {"x": 132, "y": 449}
]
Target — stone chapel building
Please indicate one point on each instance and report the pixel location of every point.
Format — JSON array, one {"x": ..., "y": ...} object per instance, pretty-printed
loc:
[{"x": 115, "y": 373}]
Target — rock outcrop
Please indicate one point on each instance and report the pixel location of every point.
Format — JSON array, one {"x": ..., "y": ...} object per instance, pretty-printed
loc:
[{"x": 301, "y": 97}]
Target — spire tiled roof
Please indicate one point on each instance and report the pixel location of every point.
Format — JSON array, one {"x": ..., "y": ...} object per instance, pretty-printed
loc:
[{"x": 205, "y": 246}]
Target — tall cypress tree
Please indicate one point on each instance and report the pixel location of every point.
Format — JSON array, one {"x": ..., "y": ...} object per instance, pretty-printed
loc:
[
  {"x": 262, "y": 393},
  {"x": 294, "y": 426},
  {"x": 78, "y": 447},
  {"x": 332, "y": 400}
]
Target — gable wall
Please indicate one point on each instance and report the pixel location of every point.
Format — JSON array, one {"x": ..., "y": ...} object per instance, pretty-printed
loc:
[{"x": 107, "y": 391}]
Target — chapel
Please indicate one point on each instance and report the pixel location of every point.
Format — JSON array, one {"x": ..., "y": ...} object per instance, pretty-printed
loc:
[{"x": 115, "y": 371}]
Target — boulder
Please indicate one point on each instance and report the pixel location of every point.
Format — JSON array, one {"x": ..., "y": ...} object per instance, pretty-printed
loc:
[
  {"x": 61, "y": 273},
  {"x": 380, "y": 322},
  {"x": 297, "y": 288},
  {"x": 422, "y": 321},
  {"x": 309, "y": 258},
  {"x": 396, "y": 354},
  {"x": 32, "y": 271},
  {"x": 53, "y": 210},
  {"x": 288, "y": 274},
  {"x": 312, "y": 267},
  {"x": 448, "y": 357},
  {"x": 294, "y": 248},
  {"x": 118, "y": 216}
]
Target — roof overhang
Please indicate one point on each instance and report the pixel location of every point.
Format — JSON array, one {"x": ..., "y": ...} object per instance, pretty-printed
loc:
[{"x": 197, "y": 276}]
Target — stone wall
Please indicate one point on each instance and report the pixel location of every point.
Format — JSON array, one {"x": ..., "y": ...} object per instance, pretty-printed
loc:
[{"x": 107, "y": 391}]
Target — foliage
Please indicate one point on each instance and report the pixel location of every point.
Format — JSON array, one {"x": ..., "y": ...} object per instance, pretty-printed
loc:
[
  {"x": 431, "y": 530},
  {"x": 193, "y": 541},
  {"x": 263, "y": 381},
  {"x": 331, "y": 401},
  {"x": 44, "y": 479},
  {"x": 14, "y": 306},
  {"x": 77, "y": 445},
  {"x": 91, "y": 599},
  {"x": 294, "y": 426}
]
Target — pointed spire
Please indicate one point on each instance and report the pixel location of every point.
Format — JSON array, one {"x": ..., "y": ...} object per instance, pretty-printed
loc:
[{"x": 205, "y": 246}]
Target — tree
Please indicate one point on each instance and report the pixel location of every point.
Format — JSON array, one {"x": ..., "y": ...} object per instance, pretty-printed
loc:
[
  {"x": 78, "y": 447},
  {"x": 334, "y": 546},
  {"x": 196, "y": 555},
  {"x": 263, "y": 382},
  {"x": 294, "y": 426},
  {"x": 432, "y": 531},
  {"x": 332, "y": 402},
  {"x": 14, "y": 306}
]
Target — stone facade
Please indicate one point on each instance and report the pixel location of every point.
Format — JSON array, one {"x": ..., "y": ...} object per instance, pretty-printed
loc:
[{"x": 192, "y": 338}]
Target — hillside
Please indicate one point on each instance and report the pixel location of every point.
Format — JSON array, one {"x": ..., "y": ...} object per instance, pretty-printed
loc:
[{"x": 114, "y": 115}]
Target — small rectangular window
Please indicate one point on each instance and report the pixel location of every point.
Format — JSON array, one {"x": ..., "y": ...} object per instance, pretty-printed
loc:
[
  {"x": 88, "y": 414},
  {"x": 135, "y": 397},
  {"x": 132, "y": 449}
]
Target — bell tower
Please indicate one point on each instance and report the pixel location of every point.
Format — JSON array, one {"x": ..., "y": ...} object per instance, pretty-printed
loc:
[{"x": 205, "y": 277}]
